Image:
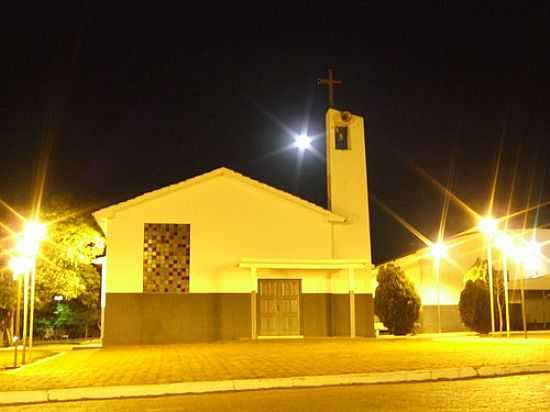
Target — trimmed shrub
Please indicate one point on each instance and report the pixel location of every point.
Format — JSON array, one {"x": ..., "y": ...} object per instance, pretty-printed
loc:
[
  {"x": 474, "y": 306},
  {"x": 396, "y": 302}
]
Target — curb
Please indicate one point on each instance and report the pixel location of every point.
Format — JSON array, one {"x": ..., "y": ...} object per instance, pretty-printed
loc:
[{"x": 182, "y": 388}]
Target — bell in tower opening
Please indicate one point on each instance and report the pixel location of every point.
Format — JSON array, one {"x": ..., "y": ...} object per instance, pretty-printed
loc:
[{"x": 341, "y": 138}]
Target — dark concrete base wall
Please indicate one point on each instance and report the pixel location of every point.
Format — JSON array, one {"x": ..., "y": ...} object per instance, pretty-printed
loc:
[
  {"x": 364, "y": 315},
  {"x": 150, "y": 318},
  {"x": 325, "y": 314},
  {"x": 450, "y": 319}
]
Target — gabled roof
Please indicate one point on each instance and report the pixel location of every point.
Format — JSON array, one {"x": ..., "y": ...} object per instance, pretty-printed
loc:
[{"x": 102, "y": 215}]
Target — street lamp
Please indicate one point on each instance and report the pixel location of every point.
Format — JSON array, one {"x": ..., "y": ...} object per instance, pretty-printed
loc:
[
  {"x": 28, "y": 247},
  {"x": 20, "y": 267},
  {"x": 302, "y": 141},
  {"x": 438, "y": 251},
  {"x": 488, "y": 226}
]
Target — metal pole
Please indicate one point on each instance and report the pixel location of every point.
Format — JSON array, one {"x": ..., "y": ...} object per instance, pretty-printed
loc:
[
  {"x": 31, "y": 322},
  {"x": 506, "y": 299},
  {"x": 523, "y": 314},
  {"x": 490, "y": 269},
  {"x": 25, "y": 315},
  {"x": 437, "y": 273},
  {"x": 17, "y": 333}
]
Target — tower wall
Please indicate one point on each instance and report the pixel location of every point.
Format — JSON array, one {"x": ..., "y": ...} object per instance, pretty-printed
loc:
[{"x": 347, "y": 184}]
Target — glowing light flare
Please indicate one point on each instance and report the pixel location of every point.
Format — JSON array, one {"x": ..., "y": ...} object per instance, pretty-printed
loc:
[
  {"x": 505, "y": 243},
  {"x": 438, "y": 250},
  {"x": 35, "y": 231},
  {"x": 531, "y": 256},
  {"x": 488, "y": 226},
  {"x": 429, "y": 294},
  {"x": 19, "y": 265},
  {"x": 29, "y": 244},
  {"x": 302, "y": 141},
  {"x": 459, "y": 202}
]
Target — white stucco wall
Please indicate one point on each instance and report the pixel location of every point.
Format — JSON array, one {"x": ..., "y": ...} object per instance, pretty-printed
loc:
[
  {"x": 230, "y": 220},
  {"x": 348, "y": 189}
]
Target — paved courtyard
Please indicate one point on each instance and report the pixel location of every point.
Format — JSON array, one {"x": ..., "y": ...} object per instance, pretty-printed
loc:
[
  {"x": 130, "y": 365},
  {"x": 7, "y": 355}
]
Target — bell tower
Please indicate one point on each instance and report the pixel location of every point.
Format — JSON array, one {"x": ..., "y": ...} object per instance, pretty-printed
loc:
[{"x": 347, "y": 184}]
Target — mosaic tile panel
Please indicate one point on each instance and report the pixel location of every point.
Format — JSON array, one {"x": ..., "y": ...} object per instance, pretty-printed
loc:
[{"x": 166, "y": 251}]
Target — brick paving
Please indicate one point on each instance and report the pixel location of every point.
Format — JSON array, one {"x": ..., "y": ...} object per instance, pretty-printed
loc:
[
  {"x": 130, "y": 365},
  {"x": 6, "y": 356}
]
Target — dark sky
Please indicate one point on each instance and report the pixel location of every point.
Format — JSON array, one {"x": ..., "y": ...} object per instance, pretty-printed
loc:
[{"x": 127, "y": 98}]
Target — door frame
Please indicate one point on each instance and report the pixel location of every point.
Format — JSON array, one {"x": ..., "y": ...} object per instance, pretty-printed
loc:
[{"x": 300, "y": 315}]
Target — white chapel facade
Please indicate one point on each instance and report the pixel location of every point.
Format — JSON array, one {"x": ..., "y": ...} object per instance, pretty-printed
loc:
[{"x": 223, "y": 256}]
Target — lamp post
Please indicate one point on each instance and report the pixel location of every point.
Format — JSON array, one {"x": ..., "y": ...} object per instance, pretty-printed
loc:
[
  {"x": 19, "y": 266},
  {"x": 488, "y": 226},
  {"x": 34, "y": 233},
  {"x": 506, "y": 245},
  {"x": 438, "y": 250},
  {"x": 27, "y": 247},
  {"x": 17, "y": 330}
]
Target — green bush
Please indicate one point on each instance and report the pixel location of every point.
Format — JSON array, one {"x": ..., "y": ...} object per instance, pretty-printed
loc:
[
  {"x": 474, "y": 306},
  {"x": 396, "y": 302}
]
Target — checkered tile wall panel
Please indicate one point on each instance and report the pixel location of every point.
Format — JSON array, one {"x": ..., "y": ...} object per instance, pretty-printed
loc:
[{"x": 166, "y": 251}]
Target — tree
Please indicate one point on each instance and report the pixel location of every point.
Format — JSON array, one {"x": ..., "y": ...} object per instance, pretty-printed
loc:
[
  {"x": 64, "y": 265},
  {"x": 396, "y": 302},
  {"x": 474, "y": 304},
  {"x": 7, "y": 302}
]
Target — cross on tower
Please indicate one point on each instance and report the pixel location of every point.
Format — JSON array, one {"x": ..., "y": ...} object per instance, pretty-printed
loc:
[{"x": 330, "y": 82}]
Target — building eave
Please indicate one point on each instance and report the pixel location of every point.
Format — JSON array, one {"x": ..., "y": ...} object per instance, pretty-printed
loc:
[{"x": 108, "y": 212}]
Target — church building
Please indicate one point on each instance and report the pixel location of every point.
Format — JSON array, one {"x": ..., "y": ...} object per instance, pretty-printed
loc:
[{"x": 222, "y": 256}]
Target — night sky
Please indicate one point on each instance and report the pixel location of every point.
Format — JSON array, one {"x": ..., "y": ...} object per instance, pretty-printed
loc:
[{"x": 126, "y": 98}]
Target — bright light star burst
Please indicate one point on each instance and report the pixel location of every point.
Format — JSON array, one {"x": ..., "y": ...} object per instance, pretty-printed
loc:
[{"x": 302, "y": 141}]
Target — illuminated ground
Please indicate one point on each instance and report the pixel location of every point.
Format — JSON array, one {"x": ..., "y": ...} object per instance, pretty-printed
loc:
[
  {"x": 516, "y": 393},
  {"x": 6, "y": 356},
  {"x": 250, "y": 359}
]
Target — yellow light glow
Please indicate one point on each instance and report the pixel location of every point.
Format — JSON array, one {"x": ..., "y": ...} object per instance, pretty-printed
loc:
[
  {"x": 35, "y": 231},
  {"x": 530, "y": 256},
  {"x": 488, "y": 226},
  {"x": 302, "y": 142},
  {"x": 29, "y": 243},
  {"x": 429, "y": 294},
  {"x": 505, "y": 243},
  {"x": 19, "y": 265},
  {"x": 438, "y": 250}
]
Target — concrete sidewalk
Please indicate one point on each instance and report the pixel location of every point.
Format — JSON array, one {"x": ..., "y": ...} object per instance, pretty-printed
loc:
[
  {"x": 184, "y": 388},
  {"x": 140, "y": 370}
]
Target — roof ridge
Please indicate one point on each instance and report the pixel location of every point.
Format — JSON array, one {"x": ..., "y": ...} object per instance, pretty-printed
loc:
[{"x": 220, "y": 171}]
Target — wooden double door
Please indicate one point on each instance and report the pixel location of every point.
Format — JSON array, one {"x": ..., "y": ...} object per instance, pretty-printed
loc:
[{"x": 279, "y": 307}]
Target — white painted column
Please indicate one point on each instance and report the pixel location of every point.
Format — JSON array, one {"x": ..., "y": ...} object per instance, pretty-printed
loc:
[
  {"x": 351, "y": 279},
  {"x": 253, "y": 303}
]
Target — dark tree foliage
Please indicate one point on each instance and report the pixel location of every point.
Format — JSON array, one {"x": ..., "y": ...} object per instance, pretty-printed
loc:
[
  {"x": 474, "y": 305},
  {"x": 396, "y": 302},
  {"x": 7, "y": 301}
]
